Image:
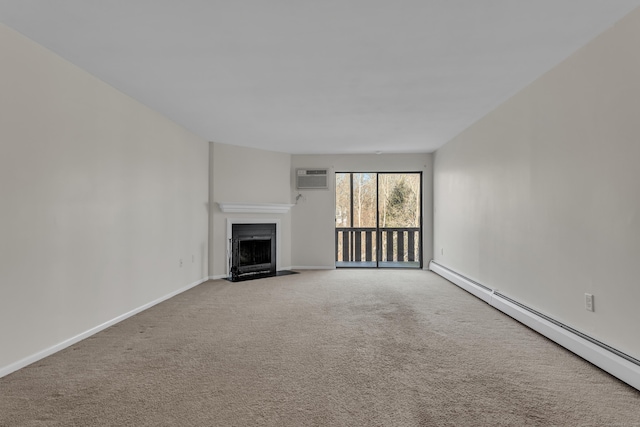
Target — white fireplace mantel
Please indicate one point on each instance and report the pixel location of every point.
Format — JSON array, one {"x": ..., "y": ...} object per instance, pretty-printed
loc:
[{"x": 267, "y": 208}]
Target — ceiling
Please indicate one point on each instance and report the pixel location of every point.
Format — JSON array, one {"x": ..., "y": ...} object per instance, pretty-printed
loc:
[{"x": 323, "y": 76}]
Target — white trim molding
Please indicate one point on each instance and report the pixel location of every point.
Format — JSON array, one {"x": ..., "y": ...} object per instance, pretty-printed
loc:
[
  {"x": 6, "y": 370},
  {"x": 313, "y": 267},
  {"x": 266, "y": 208},
  {"x": 604, "y": 357}
]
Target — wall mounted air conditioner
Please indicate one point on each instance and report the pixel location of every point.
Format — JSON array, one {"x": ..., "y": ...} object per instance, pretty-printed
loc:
[{"x": 312, "y": 179}]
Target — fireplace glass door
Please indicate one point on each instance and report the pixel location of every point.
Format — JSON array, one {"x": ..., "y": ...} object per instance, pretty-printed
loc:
[
  {"x": 254, "y": 252},
  {"x": 253, "y": 249}
]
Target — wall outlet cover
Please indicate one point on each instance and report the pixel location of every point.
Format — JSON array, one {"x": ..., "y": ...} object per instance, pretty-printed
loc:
[{"x": 588, "y": 302}]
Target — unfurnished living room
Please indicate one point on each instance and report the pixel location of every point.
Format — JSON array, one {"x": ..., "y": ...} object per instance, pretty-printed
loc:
[{"x": 293, "y": 213}]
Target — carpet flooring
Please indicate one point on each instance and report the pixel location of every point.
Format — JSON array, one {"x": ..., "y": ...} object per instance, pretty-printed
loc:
[{"x": 321, "y": 348}]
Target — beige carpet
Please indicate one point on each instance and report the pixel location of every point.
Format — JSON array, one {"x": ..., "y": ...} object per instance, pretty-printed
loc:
[{"x": 322, "y": 348}]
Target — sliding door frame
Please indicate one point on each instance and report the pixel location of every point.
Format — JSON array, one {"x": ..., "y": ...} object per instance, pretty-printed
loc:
[{"x": 377, "y": 226}]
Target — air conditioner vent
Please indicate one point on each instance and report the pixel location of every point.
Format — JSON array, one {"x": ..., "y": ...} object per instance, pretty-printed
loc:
[{"x": 312, "y": 179}]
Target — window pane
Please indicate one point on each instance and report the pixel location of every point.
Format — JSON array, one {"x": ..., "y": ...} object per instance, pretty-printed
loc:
[
  {"x": 343, "y": 200},
  {"x": 399, "y": 201},
  {"x": 364, "y": 200}
]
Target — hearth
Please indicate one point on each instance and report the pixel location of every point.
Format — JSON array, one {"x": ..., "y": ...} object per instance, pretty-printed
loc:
[{"x": 253, "y": 250}]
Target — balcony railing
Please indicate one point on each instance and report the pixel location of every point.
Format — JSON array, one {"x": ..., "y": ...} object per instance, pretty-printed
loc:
[{"x": 396, "y": 244}]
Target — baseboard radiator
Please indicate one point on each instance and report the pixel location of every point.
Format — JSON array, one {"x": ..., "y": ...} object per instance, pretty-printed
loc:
[{"x": 607, "y": 358}]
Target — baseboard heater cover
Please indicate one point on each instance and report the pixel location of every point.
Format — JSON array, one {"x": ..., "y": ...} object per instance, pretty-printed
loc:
[{"x": 607, "y": 358}]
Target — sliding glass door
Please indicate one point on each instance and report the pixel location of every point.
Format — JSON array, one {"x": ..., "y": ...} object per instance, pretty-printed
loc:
[{"x": 378, "y": 219}]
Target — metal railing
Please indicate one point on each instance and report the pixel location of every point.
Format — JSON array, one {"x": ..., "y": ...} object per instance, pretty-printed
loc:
[{"x": 395, "y": 244}]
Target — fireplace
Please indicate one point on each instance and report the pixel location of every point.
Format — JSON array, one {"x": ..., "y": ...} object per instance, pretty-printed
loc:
[{"x": 253, "y": 250}]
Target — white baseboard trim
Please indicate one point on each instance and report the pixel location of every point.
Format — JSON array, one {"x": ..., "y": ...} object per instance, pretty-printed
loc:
[
  {"x": 313, "y": 267},
  {"x": 600, "y": 356},
  {"x": 6, "y": 370}
]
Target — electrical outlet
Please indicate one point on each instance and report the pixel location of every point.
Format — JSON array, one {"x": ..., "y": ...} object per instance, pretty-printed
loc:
[{"x": 588, "y": 302}]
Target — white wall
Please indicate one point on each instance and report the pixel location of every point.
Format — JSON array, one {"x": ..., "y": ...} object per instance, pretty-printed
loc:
[
  {"x": 100, "y": 197},
  {"x": 248, "y": 175},
  {"x": 540, "y": 198},
  {"x": 313, "y": 217}
]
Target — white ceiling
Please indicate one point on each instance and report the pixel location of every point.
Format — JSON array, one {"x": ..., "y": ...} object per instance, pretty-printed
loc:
[{"x": 323, "y": 76}]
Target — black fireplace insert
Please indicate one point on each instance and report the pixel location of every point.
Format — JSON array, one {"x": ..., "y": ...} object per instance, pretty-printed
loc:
[{"x": 253, "y": 250}]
